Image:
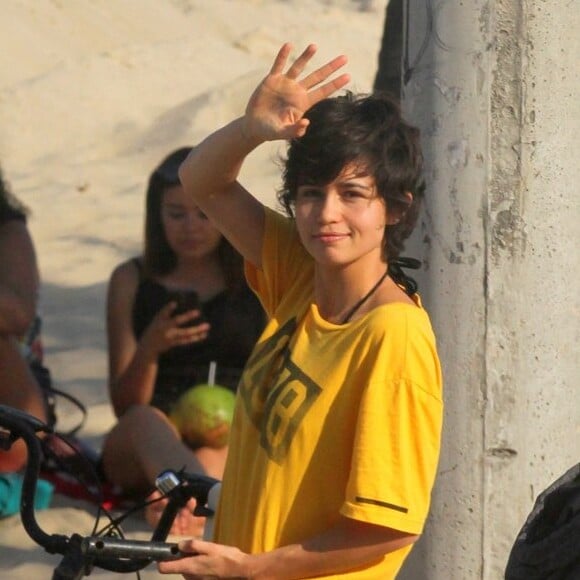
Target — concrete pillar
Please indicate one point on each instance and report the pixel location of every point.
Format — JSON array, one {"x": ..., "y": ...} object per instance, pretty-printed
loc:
[{"x": 493, "y": 86}]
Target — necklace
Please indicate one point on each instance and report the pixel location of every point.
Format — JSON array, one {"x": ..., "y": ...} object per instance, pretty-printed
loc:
[{"x": 351, "y": 312}]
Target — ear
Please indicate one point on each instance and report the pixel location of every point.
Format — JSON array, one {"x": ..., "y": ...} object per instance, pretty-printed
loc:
[{"x": 396, "y": 213}]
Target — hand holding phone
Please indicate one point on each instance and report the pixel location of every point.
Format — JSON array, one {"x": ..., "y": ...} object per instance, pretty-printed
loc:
[{"x": 187, "y": 300}]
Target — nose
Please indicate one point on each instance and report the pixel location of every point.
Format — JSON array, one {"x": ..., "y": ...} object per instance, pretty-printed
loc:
[
  {"x": 189, "y": 221},
  {"x": 193, "y": 221},
  {"x": 329, "y": 208}
]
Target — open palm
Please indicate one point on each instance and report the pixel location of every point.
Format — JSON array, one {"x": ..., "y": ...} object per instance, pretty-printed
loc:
[{"x": 277, "y": 107}]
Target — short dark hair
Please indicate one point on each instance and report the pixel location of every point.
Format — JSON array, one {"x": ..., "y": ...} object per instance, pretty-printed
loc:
[
  {"x": 158, "y": 257},
  {"x": 368, "y": 130}
]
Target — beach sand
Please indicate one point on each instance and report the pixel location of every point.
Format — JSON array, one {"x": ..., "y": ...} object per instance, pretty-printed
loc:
[{"x": 93, "y": 94}]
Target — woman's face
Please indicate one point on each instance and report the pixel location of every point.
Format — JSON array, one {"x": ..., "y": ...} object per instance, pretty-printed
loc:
[
  {"x": 188, "y": 231},
  {"x": 344, "y": 221}
]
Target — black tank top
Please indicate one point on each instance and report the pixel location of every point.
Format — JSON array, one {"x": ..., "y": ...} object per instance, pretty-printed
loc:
[{"x": 237, "y": 320}]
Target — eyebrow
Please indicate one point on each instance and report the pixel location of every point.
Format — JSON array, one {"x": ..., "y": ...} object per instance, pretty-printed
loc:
[{"x": 349, "y": 183}]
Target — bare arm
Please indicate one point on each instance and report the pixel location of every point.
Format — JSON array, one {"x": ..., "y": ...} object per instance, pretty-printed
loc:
[
  {"x": 275, "y": 111},
  {"x": 19, "y": 279},
  {"x": 133, "y": 364},
  {"x": 348, "y": 545},
  {"x": 132, "y": 371}
]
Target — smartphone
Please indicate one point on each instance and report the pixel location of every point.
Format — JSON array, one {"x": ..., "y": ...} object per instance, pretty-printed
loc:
[{"x": 186, "y": 300}]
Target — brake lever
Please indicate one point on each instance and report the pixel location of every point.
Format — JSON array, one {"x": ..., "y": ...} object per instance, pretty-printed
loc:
[
  {"x": 14, "y": 416},
  {"x": 189, "y": 485},
  {"x": 17, "y": 420}
]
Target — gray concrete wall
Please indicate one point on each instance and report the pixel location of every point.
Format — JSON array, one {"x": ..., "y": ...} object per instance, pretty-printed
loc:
[{"x": 495, "y": 92}]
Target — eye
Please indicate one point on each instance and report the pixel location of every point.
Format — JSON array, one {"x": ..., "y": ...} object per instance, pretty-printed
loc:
[
  {"x": 175, "y": 214},
  {"x": 174, "y": 211},
  {"x": 308, "y": 193},
  {"x": 353, "y": 195}
]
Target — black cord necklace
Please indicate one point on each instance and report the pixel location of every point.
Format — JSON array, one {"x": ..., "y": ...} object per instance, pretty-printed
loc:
[{"x": 351, "y": 312}]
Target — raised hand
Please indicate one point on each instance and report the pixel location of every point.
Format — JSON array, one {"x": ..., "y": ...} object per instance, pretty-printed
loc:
[{"x": 276, "y": 108}]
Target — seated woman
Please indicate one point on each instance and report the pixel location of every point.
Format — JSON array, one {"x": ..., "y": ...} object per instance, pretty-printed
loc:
[
  {"x": 157, "y": 351},
  {"x": 19, "y": 286}
]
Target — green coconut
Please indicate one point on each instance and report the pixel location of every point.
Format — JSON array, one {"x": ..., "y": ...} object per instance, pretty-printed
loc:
[{"x": 203, "y": 415}]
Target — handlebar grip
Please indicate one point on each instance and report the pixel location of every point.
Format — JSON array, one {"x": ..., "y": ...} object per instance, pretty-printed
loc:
[{"x": 130, "y": 549}]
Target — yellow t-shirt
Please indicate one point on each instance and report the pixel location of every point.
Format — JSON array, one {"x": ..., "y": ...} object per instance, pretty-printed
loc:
[{"x": 331, "y": 419}]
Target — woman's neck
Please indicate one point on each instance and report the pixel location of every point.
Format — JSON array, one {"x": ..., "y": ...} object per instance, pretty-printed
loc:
[
  {"x": 206, "y": 277},
  {"x": 337, "y": 291},
  {"x": 348, "y": 293}
]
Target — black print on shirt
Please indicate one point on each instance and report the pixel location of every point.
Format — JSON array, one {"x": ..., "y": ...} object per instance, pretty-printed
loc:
[{"x": 276, "y": 393}]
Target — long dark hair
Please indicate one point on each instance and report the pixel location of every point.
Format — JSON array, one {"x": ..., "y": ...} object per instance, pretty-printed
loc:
[
  {"x": 367, "y": 130},
  {"x": 158, "y": 257}
]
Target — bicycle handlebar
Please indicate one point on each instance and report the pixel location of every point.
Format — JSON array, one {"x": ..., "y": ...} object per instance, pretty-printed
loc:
[{"x": 109, "y": 553}]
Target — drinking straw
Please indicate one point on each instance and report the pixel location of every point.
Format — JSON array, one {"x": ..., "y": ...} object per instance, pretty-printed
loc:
[{"x": 212, "y": 370}]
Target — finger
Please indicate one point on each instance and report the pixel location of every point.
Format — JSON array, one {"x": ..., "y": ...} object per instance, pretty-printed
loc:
[
  {"x": 322, "y": 73},
  {"x": 186, "y": 566},
  {"x": 188, "y": 339},
  {"x": 297, "y": 130},
  {"x": 187, "y": 316},
  {"x": 300, "y": 63},
  {"x": 191, "y": 334},
  {"x": 202, "y": 327},
  {"x": 303, "y": 125},
  {"x": 329, "y": 88},
  {"x": 196, "y": 546},
  {"x": 281, "y": 58},
  {"x": 167, "y": 309},
  {"x": 192, "y": 546}
]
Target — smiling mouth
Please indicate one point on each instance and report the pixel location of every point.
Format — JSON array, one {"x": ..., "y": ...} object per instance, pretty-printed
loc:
[{"x": 330, "y": 237}]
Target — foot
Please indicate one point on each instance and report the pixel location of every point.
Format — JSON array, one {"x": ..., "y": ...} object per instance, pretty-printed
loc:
[{"x": 184, "y": 524}]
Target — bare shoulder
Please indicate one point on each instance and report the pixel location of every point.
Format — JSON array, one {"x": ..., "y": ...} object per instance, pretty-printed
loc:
[
  {"x": 18, "y": 257},
  {"x": 14, "y": 234},
  {"x": 124, "y": 278},
  {"x": 392, "y": 293}
]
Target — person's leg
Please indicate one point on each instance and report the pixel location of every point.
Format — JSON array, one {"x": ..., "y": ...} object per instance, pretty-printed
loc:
[
  {"x": 144, "y": 443},
  {"x": 17, "y": 389}
]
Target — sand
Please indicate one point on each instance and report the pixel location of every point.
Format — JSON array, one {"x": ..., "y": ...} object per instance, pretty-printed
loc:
[{"x": 93, "y": 94}]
